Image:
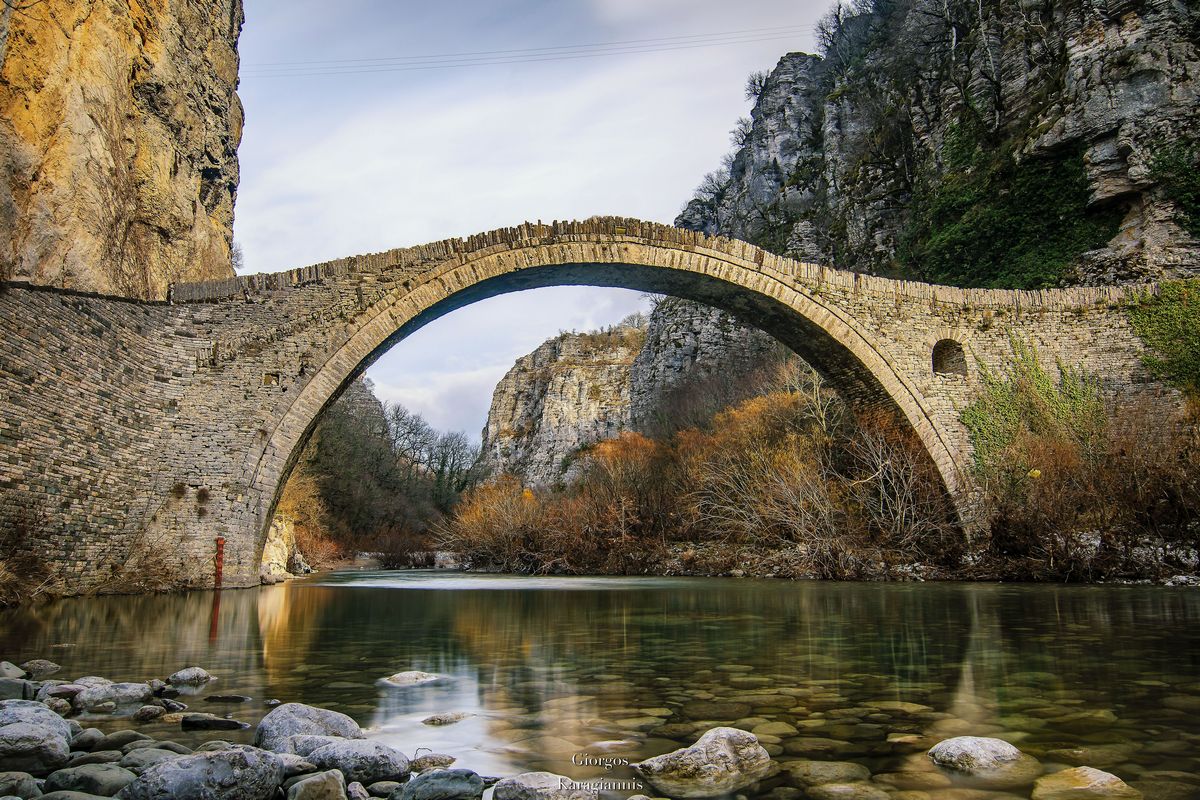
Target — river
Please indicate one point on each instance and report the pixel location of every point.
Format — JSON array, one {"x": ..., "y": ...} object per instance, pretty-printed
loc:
[{"x": 551, "y": 669}]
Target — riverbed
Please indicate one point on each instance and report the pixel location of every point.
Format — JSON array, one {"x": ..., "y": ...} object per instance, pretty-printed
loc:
[{"x": 557, "y": 673}]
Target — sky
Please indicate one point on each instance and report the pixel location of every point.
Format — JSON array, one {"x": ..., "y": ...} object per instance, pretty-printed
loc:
[{"x": 374, "y": 124}]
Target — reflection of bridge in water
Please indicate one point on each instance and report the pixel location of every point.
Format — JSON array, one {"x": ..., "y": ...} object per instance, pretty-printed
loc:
[{"x": 144, "y": 430}]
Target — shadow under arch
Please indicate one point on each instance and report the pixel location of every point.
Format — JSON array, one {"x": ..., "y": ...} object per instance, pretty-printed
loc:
[{"x": 825, "y": 336}]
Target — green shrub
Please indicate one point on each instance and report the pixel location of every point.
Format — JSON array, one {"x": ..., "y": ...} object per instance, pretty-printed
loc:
[
  {"x": 1026, "y": 399},
  {"x": 994, "y": 221},
  {"x": 1169, "y": 324},
  {"x": 1177, "y": 168}
]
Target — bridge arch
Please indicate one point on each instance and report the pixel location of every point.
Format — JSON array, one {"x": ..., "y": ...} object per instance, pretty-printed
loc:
[{"x": 826, "y": 335}]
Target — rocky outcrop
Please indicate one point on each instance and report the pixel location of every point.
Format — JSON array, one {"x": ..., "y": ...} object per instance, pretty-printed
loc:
[
  {"x": 572, "y": 391},
  {"x": 674, "y": 368},
  {"x": 926, "y": 118},
  {"x": 119, "y": 128},
  {"x": 696, "y": 359}
]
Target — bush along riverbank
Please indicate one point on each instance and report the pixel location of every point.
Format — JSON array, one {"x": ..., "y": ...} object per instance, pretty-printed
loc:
[
  {"x": 302, "y": 752},
  {"x": 1075, "y": 486}
]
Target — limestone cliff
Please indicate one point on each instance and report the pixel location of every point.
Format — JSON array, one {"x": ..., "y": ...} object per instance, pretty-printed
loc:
[
  {"x": 978, "y": 143},
  {"x": 672, "y": 369},
  {"x": 572, "y": 391},
  {"x": 119, "y": 128}
]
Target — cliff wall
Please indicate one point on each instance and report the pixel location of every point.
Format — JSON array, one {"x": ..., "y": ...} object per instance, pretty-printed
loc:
[
  {"x": 983, "y": 144},
  {"x": 119, "y": 129}
]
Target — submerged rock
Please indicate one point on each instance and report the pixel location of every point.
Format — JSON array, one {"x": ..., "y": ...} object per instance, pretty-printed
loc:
[
  {"x": 410, "y": 678},
  {"x": 815, "y": 773},
  {"x": 446, "y": 719},
  {"x": 190, "y": 676},
  {"x": 972, "y": 754},
  {"x": 1083, "y": 783},
  {"x": 292, "y": 719},
  {"x": 721, "y": 761},
  {"x": 40, "y": 668}
]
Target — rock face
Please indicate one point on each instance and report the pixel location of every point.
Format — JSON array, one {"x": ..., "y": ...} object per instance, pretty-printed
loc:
[
  {"x": 572, "y": 391},
  {"x": 644, "y": 375},
  {"x": 842, "y": 151},
  {"x": 119, "y": 128}
]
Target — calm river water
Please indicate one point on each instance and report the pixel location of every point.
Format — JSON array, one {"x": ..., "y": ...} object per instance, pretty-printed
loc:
[{"x": 631, "y": 667}]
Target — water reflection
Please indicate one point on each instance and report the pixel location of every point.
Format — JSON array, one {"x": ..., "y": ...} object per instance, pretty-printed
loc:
[{"x": 549, "y": 668}]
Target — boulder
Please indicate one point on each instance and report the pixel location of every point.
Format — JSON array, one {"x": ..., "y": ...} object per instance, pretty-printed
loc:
[
  {"x": 18, "y": 784},
  {"x": 361, "y": 760},
  {"x": 10, "y": 670},
  {"x": 35, "y": 713},
  {"x": 291, "y": 719},
  {"x": 972, "y": 754},
  {"x": 442, "y": 784},
  {"x": 58, "y": 706},
  {"x": 148, "y": 713},
  {"x": 102, "y": 779},
  {"x": 92, "y": 698},
  {"x": 304, "y": 744},
  {"x": 356, "y": 791},
  {"x": 16, "y": 689},
  {"x": 329, "y": 785},
  {"x": 142, "y": 759},
  {"x": 33, "y": 748},
  {"x": 721, "y": 761},
  {"x": 294, "y": 765},
  {"x": 540, "y": 786},
  {"x": 40, "y": 668},
  {"x": 190, "y": 676},
  {"x": 88, "y": 739},
  {"x": 236, "y": 773},
  {"x": 1083, "y": 783}
]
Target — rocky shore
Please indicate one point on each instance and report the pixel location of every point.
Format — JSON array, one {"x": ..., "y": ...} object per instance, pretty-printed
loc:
[{"x": 302, "y": 752}]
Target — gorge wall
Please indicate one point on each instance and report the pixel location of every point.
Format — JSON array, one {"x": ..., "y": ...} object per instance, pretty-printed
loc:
[
  {"x": 982, "y": 144},
  {"x": 119, "y": 129}
]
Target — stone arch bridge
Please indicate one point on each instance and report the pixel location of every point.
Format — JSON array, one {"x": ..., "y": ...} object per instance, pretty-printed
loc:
[{"x": 132, "y": 434}]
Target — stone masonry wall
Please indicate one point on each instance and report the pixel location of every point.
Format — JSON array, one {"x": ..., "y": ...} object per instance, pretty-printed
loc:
[{"x": 142, "y": 431}]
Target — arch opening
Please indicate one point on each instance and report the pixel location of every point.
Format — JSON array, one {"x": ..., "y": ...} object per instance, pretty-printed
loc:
[
  {"x": 844, "y": 357},
  {"x": 949, "y": 358}
]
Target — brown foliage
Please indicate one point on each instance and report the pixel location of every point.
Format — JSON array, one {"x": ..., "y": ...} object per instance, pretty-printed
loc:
[
  {"x": 786, "y": 470},
  {"x": 1115, "y": 506}
]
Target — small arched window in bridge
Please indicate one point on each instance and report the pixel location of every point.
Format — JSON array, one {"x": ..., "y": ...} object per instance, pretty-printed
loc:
[{"x": 949, "y": 358}]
